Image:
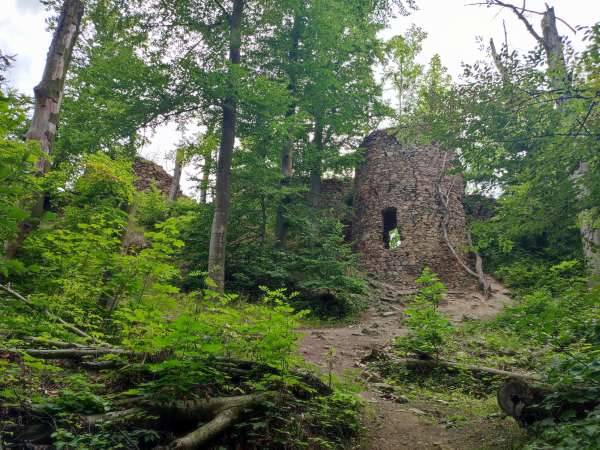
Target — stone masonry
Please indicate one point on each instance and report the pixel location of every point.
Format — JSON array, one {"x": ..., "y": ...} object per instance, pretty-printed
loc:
[
  {"x": 396, "y": 189},
  {"x": 148, "y": 174}
]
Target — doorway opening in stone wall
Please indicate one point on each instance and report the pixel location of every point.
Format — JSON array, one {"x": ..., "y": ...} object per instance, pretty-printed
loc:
[{"x": 391, "y": 235}]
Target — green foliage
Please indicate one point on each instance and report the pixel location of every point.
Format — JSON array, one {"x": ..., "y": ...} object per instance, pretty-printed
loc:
[
  {"x": 104, "y": 180},
  {"x": 18, "y": 181},
  {"x": 581, "y": 434},
  {"x": 428, "y": 328},
  {"x": 319, "y": 265},
  {"x": 401, "y": 68},
  {"x": 431, "y": 289}
]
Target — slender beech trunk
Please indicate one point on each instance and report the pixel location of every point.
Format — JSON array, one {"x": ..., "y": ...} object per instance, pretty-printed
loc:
[
  {"x": 48, "y": 100},
  {"x": 288, "y": 146},
  {"x": 315, "y": 171},
  {"x": 174, "y": 189},
  {"x": 218, "y": 235},
  {"x": 205, "y": 178}
]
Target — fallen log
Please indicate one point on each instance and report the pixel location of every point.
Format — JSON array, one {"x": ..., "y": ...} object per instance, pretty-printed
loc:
[
  {"x": 219, "y": 413},
  {"x": 413, "y": 363},
  {"x": 427, "y": 362},
  {"x": 237, "y": 367},
  {"x": 49, "y": 314},
  {"x": 97, "y": 419},
  {"x": 69, "y": 353},
  {"x": 227, "y": 412}
]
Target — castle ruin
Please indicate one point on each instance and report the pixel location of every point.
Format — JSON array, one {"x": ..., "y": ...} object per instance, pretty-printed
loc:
[{"x": 407, "y": 206}]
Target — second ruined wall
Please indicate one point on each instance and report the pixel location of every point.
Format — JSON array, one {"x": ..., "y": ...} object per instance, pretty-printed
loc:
[{"x": 400, "y": 181}]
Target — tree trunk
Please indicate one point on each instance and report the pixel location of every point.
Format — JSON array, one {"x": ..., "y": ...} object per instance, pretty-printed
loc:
[
  {"x": 560, "y": 82},
  {"x": 288, "y": 146},
  {"x": 205, "y": 178},
  {"x": 498, "y": 62},
  {"x": 174, "y": 190},
  {"x": 315, "y": 172},
  {"x": 48, "y": 100},
  {"x": 552, "y": 42},
  {"x": 218, "y": 235}
]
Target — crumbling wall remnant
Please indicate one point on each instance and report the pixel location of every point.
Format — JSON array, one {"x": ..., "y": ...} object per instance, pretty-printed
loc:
[{"x": 148, "y": 174}]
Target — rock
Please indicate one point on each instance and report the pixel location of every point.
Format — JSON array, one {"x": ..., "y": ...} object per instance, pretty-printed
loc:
[
  {"x": 374, "y": 355},
  {"x": 371, "y": 377},
  {"x": 389, "y": 313},
  {"x": 383, "y": 387},
  {"x": 318, "y": 334},
  {"x": 368, "y": 332},
  {"x": 418, "y": 412},
  {"x": 401, "y": 399}
]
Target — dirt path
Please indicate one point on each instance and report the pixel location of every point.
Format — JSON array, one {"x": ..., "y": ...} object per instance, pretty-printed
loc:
[{"x": 393, "y": 425}]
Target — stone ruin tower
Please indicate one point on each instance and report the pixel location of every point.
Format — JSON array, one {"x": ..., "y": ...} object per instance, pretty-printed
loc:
[{"x": 398, "y": 215}]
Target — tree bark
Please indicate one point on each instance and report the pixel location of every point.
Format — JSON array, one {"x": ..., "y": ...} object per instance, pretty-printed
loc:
[
  {"x": 552, "y": 43},
  {"x": 174, "y": 190},
  {"x": 48, "y": 100},
  {"x": 288, "y": 146},
  {"x": 498, "y": 62},
  {"x": 205, "y": 178},
  {"x": 218, "y": 235},
  {"x": 428, "y": 364},
  {"x": 560, "y": 82},
  {"x": 315, "y": 171}
]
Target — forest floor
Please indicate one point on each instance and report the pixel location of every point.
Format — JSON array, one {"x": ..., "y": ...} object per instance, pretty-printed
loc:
[{"x": 414, "y": 419}]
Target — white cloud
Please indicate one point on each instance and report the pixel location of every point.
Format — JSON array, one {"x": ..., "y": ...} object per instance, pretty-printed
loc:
[{"x": 23, "y": 33}]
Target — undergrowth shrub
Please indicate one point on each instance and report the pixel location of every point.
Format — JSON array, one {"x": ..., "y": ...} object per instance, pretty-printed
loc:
[{"x": 428, "y": 328}]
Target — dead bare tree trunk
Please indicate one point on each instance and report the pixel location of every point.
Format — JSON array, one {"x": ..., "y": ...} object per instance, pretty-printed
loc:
[
  {"x": 218, "y": 235},
  {"x": 174, "y": 189},
  {"x": 560, "y": 82},
  {"x": 48, "y": 100},
  {"x": 288, "y": 146},
  {"x": 498, "y": 62}
]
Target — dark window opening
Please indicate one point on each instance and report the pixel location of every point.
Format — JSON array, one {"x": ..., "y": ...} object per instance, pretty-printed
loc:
[{"x": 390, "y": 223}]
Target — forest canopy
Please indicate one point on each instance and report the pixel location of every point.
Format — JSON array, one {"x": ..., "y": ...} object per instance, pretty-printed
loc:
[{"x": 151, "y": 318}]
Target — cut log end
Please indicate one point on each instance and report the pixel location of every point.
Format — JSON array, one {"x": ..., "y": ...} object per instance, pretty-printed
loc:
[
  {"x": 513, "y": 396},
  {"x": 521, "y": 400}
]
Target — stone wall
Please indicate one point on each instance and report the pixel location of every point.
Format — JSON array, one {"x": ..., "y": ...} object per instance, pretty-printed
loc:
[
  {"x": 395, "y": 186},
  {"x": 148, "y": 174}
]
